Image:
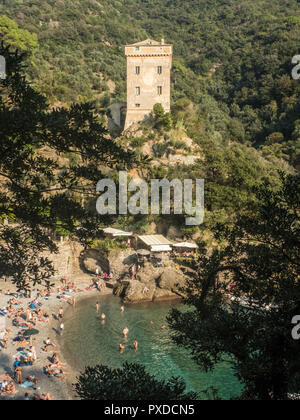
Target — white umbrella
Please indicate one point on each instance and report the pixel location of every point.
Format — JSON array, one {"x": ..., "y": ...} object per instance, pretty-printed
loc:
[{"x": 189, "y": 245}]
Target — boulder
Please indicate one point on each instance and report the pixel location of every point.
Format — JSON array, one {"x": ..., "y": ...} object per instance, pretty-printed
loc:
[
  {"x": 163, "y": 294},
  {"x": 138, "y": 292},
  {"x": 172, "y": 280}
]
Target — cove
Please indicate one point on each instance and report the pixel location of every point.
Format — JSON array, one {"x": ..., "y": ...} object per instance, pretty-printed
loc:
[{"x": 87, "y": 342}]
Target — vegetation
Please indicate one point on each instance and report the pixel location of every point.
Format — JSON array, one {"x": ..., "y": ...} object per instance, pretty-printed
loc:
[
  {"x": 260, "y": 263},
  {"x": 131, "y": 382},
  {"x": 41, "y": 192},
  {"x": 232, "y": 59}
]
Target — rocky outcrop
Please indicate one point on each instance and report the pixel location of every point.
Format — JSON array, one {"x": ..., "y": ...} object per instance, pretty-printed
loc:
[
  {"x": 171, "y": 280},
  {"x": 151, "y": 284},
  {"x": 92, "y": 260}
]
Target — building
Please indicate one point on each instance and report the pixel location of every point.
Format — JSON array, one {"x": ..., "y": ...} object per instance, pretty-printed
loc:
[
  {"x": 149, "y": 66},
  {"x": 155, "y": 243}
]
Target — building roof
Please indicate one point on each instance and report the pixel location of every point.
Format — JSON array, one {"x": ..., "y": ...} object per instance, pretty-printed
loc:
[
  {"x": 116, "y": 232},
  {"x": 186, "y": 245},
  {"x": 161, "y": 248},
  {"x": 145, "y": 43},
  {"x": 149, "y": 43},
  {"x": 151, "y": 240}
]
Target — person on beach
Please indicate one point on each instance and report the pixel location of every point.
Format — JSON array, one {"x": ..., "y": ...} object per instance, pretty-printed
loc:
[
  {"x": 60, "y": 313},
  {"x": 135, "y": 345},
  {"x": 5, "y": 341},
  {"x": 74, "y": 302},
  {"x": 49, "y": 343},
  {"x": 61, "y": 328},
  {"x": 18, "y": 373},
  {"x": 133, "y": 272}
]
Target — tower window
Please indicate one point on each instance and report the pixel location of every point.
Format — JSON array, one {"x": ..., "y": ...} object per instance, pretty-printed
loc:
[
  {"x": 159, "y": 69},
  {"x": 138, "y": 91},
  {"x": 137, "y": 48},
  {"x": 137, "y": 70},
  {"x": 137, "y": 105},
  {"x": 159, "y": 90}
]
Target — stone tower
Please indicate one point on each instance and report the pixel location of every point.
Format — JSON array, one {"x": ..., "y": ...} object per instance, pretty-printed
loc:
[{"x": 149, "y": 66}]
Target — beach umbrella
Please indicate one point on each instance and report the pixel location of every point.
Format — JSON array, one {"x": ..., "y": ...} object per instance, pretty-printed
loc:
[
  {"x": 143, "y": 252},
  {"x": 30, "y": 332}
]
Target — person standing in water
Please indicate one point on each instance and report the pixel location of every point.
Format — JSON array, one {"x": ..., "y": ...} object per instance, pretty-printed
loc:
[
  {"x": 62, "y": 327},
  {"x": 135, "y": 345},
  {"x": 122, "y": 308},
  {"x": 97, "y": 307},
  {"x": 125, "y": 332}
]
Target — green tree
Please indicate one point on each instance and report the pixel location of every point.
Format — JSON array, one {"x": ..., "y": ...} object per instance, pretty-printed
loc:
[
  {"x": 41, "y": 193},
  {"x": 261, "y": 264},
  {"x": 15, "y": 36},
  {"x": 131, "y": 382}
]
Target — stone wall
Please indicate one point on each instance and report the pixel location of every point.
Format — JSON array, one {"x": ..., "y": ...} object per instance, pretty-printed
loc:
[{"x": 66, "y": 261}]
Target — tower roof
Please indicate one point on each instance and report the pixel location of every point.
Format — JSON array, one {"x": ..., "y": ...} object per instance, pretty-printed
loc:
[{"x": 145, "y": 43}]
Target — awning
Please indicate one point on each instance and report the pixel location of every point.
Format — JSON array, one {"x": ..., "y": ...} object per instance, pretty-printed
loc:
[
  {"x": 116, "y": 232},
  {"x": 161, "y": 248},
  {"x": 186, "y": 245},
  {"x": 153, "y": 240}
]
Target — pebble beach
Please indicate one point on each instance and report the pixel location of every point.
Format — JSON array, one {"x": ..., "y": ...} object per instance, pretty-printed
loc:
[{"x": 57, "y": 388}]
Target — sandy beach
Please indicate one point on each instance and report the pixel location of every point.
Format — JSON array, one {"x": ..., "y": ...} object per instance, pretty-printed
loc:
[{"x": 59, "y": 389}]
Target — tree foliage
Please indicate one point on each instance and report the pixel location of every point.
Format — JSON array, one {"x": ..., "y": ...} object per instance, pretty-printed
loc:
[
  {"x": 260, "y": 265},
  {"x": 131, "y": 382},
  {"x": 41, "y": 192}
]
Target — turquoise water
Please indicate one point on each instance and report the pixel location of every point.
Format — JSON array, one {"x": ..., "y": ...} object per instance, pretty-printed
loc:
[{"x": 88, "y": 342}]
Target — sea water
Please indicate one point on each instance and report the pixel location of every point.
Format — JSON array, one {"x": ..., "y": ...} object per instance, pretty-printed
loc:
[{"x": 87, "y": 342}]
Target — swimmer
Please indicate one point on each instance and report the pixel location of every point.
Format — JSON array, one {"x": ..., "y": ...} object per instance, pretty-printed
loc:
[{"x": 163, "y": 327}]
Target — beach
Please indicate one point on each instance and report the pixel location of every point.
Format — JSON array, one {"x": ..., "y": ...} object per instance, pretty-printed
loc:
[{"x": 58, "y": 389}]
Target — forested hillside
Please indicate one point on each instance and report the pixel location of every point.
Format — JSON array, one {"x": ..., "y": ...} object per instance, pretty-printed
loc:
[
  {"x": 232, "y": 90},
  {"x": 232, "y": 58}
]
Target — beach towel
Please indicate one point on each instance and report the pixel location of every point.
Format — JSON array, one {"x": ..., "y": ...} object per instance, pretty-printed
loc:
[{"x": 27, "y": 384}]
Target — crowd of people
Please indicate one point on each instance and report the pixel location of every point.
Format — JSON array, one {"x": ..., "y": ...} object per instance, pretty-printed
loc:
[{"x": 27, "y": 316}]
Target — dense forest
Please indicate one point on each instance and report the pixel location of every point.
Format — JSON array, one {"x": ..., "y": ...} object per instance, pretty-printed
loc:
[
  {"x": 232, "y": 57},
  {"x": 232, "y": 90}
]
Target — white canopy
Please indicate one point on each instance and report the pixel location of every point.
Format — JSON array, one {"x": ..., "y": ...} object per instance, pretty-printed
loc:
[
  {"x": 116, "y": 232},
  {"x": 186, "y": 245},
  {"x": 161, "y": 248}
]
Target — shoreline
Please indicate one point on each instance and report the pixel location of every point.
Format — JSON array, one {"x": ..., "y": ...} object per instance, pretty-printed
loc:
[
  {"x": 71, "y": 379},
  {"x": 59, "y": 389}
]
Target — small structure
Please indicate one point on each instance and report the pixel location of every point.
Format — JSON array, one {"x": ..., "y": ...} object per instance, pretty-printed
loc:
[
  {"x": 116, "y": 232},
  {"x": 121, "y": 236},
  {"x": 186, "y": 248},
  {"x": 186, "y": 245},
  {"x": 155, "y": 243}
]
